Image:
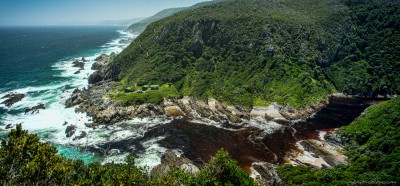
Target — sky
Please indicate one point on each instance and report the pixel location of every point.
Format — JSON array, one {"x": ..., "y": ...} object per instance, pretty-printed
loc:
[{"x": 81, "y": 12}]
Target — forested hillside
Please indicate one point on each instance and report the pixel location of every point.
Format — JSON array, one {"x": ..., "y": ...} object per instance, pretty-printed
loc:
[
  {"x": 368, "y": 60},
  {"x": 257, "y": 52}
]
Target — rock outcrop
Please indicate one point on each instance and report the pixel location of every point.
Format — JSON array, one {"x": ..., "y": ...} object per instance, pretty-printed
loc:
[
  {"x": 265, "y": 174},
  {"x": 75, "y": 99},
  {"x": 35, "y": 109},
  {"x": 105, "y": 70},
  {"x": 170, "y": 161},
  {"x": 70, "y": 130},
  {"x": 78, "y": 64},
  {"x": 12, "y": 98},
  {"x": 104, "y": 110}
]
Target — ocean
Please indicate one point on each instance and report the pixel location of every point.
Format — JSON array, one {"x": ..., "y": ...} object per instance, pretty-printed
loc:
[{"x": 37, "y": 61}]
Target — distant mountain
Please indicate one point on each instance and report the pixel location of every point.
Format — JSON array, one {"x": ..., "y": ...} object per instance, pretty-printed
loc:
[
  {"x": 140, "y": 26},
  {"x": 122, "y": 22}
]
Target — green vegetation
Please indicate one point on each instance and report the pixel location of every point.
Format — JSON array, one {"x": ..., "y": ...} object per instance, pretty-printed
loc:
[
  {"x": 372, "y": 145},
  {"x": 147, "y": 96},
  {"x": 256, "y": 52},
  {"x": 240, "y": 52},
  {"x": 368, "y": 59},
  {"x": 27, "y": 161}
]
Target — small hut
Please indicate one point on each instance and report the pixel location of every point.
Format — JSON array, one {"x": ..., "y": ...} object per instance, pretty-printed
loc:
[{"x": 154, "y": 87}]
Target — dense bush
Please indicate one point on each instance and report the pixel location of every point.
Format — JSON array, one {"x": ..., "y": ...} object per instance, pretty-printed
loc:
[
  {"x": 255, "y": 52},
  {"x": 240, "y": 52},
  {"x": 372, "y": 145},
  {"x": 27, "y": 161},
  {"x": 368, "y": 60}
]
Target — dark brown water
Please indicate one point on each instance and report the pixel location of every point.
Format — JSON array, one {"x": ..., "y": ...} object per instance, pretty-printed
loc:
[{"x": 199, "y": 142}]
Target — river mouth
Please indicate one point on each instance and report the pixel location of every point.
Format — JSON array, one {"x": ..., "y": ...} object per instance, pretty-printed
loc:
[{"x": 248, "y": 144}]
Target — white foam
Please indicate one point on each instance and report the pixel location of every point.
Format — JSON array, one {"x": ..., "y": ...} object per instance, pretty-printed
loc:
[
  {"x": 152, "y": 155},
  {"x": 54, "y": 95},
  {"x": 119, "y": 158}
]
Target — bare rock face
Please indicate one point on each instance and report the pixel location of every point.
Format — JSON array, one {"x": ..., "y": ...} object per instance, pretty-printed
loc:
[
  {"x": 101, "y": 61},
  {"x": 12, "y": 98},
  {"x": 74, "y": 100},
  {"x": 266, "y": 175},
  {"x": 325, "y": 152},
  {"x": 170, "y": 161},
  {"x": 105, "y": 70}
]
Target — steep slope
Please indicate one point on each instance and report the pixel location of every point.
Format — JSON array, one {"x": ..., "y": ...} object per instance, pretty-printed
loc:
[
  {"x": 257, "y": 52},
  {"x": 240, "y": 52},
  {"x": 368, "y": 60}
]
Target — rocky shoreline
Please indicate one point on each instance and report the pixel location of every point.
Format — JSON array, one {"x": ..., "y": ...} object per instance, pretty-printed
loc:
[
  {"x": 95, "y": 103},
  {"x": 105, "y": 111}
]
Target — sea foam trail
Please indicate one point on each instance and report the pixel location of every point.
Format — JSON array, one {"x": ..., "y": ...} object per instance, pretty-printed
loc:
[{"x": 49, "y": 122}]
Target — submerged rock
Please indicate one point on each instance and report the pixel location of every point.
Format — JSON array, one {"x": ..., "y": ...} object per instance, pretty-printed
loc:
[
  {"x": 82, "y": 135},
  {"x": 70, "y": 131},
  {"x": 12, "y": 98},
  {"x": 9, "y": 126}
]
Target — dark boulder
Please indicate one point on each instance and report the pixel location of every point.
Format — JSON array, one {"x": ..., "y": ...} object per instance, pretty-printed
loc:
[
  {"x": 98, "y": 65},
  {"x": 95, "y": 77},
  {"x": 35, "y": 109},
  {"x": 75, "y": 99},
  {"x": 9, "y": 126},
  {"x": 102, "y": 57},
  {"x": 70, "y": 131},
  {"x": 12, "y": 98},
  {"x": 78, "y": 64}
]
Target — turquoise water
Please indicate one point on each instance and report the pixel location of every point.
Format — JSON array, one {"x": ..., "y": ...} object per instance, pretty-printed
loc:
[{"x": 37, "y": 61}]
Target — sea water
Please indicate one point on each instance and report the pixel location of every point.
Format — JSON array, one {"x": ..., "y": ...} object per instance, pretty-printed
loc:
[{"x": 37, "y": 61}]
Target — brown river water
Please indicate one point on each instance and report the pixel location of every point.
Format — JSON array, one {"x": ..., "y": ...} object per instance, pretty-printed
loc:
[{"x": 199, "y": 142}]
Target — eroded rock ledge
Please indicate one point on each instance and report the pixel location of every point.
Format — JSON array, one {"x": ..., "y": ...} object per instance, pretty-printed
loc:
[{"x": 95, "y": 103}]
